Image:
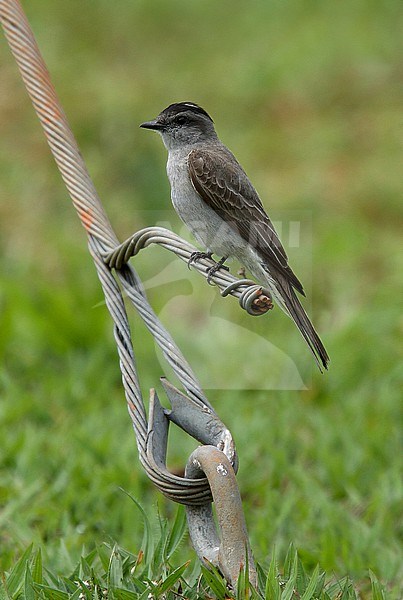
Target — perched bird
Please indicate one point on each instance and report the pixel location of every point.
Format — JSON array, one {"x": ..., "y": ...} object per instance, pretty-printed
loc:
[{"x": 213, "y": 196}]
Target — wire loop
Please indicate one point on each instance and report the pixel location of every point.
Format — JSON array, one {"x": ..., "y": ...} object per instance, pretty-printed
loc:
[{"x": 252, "y": 297}]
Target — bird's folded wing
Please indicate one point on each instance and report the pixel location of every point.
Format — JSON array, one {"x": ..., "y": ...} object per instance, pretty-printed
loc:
[{"x": 223, "y": 185}]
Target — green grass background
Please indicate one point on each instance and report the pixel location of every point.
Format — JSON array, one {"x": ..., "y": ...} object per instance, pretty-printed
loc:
[{"x": 309, "y": 97}]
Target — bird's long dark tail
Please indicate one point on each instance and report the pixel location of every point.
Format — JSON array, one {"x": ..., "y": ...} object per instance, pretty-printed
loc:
[{"x": 294, "y": 308}]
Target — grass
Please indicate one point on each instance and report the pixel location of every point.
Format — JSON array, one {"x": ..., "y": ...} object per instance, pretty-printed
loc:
[
  {"x": 307, "y": 95},
  {"x": 116, "y": 573}
]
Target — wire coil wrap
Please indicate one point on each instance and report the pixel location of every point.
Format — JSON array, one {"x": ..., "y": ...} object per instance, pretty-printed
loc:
[{"x": 252, "y": 298}]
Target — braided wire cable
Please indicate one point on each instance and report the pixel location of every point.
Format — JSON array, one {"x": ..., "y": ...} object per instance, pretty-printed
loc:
[
  {"x": 59, "y": 135},
  {"x": 102, "y": 241}
]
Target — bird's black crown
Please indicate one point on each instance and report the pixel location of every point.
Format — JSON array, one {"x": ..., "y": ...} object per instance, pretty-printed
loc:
[{"x": 179, "y": 107}]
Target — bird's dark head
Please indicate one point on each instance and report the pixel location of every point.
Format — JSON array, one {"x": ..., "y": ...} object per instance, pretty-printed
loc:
[{"x": 183, "y": 124}]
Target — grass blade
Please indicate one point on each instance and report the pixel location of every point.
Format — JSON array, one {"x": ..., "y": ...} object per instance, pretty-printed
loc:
[
  {"x": 16, "y": 578},
  {"x": 37, "y": 571},
  {"x": 115, "y": 570},
  {"x": 51, "y": 593},
  {"x": 29, "y": 593},
  {"x": 121, "y": 594},
  {"x": 148, "y": 539},
  {"x": 177, "y": 532},
  {"x": 292, "y": 568},
  {"x": 273, "y": 590},
  {"x": 216, "y": 582},
  {"x": 170, "y": 581},
  {"x": 377, "y": 589},
  {"x": 311, "y": 587}
]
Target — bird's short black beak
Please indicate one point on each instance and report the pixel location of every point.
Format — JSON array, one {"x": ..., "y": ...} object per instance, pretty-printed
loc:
[{"x": 155, "y": 124}]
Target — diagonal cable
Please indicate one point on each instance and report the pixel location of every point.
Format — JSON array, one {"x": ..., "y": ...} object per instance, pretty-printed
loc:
[{"x": 102, "y": 241}]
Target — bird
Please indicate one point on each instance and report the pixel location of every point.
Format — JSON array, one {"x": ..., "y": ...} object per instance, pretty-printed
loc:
[{"x": 216, "y": 200}]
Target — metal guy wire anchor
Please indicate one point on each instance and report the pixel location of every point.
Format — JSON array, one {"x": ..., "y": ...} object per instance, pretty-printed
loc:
[
  {"x": 201, "y": 423},
  {"x": 228, "y": 548}
]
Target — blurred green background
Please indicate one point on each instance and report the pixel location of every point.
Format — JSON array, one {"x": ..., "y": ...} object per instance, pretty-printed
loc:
[{"x": 308, "y": 95}]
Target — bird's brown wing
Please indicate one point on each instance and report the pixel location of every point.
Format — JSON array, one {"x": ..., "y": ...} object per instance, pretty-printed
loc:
[{"x": 223, "y": 185}]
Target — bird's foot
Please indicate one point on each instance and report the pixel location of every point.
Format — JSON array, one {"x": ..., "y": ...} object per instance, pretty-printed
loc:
[
  {"x": 195, "y": 256},
  {"x": 213, "y": 270}
]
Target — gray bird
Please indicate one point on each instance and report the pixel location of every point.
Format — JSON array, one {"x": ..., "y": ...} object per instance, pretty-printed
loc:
[{"x": 215, "y": 199}]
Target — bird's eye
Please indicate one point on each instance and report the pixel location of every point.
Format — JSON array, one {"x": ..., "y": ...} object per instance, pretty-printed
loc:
[{"x": 181, "y": 119}]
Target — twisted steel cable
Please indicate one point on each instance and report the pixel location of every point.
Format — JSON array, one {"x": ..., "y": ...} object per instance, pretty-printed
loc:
[
  {"x": 193, "y": 491},
  {"x": 101, "y": 237},
  {"x": 102, "y": 241}
]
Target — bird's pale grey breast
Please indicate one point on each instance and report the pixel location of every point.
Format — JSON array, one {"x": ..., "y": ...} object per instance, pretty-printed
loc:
[{"x": 206, "y": 224}]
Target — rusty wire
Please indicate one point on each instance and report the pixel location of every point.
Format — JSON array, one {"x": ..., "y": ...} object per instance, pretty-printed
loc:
[
  {"x": 101, "y": 237},
  {"x": 102, "y": 242}
]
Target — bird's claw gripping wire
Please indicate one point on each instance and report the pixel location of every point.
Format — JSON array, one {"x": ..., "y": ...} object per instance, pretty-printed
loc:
[
  {"x": 195, "y": 256},
  {"x": 213, "y": 270}
]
